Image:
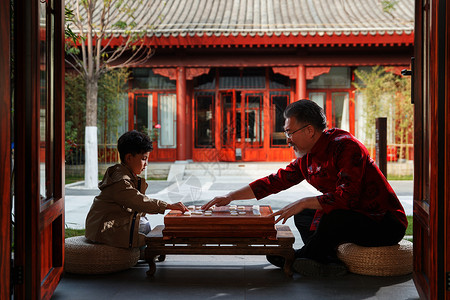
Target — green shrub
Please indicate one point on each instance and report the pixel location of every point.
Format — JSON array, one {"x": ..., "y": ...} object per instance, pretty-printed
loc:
[{"x": 70, "y": 232}]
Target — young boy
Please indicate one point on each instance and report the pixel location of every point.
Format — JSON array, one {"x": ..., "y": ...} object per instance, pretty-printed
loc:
[{"x": 117, "y": 215}]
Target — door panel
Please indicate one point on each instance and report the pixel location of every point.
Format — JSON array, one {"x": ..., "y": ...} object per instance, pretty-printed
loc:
[
  {"x": 422, "y": 237},
  {"x": 146, "y": 110},
  {"x": 228, "y": 126},
  {"x": 336, "y": 106},
  {"x": 431, "y": 148},
  {"x": 5, "y": 152},
  {"x": 142, "y": 112},
  {"x": 39, "y": 148},
  {"x": 204, "y": 135},
  {"x": 253, "y": 124},
  {"x": 320, "y": 99},
  {"x": 278, "y": 104},
  {"x": 166, "y": 116},
  {"x": 340, "y": 105},
  {"x": 254, "y": 121}
]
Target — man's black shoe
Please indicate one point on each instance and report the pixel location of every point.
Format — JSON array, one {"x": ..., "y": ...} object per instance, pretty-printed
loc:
[
  {"x": 276, "y": 260},
  {"x": 312, "y": 268}
]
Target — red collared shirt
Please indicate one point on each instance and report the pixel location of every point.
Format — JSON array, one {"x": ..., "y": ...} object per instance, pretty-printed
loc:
[{"x": 339, "y": 166}]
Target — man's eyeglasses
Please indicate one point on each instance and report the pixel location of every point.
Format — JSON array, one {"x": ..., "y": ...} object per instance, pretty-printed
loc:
[{"x": 290, "y": 134}]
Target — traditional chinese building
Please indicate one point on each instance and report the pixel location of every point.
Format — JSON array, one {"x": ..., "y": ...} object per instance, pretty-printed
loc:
[{"x": 223, "y": 71}]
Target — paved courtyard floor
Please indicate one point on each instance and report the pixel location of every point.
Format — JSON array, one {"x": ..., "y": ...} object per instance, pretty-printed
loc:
[
  {"x": 217, "y": 276},
  {"x": 228, "y": 277}
]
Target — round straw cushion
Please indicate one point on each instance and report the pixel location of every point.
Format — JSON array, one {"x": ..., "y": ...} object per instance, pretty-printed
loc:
[
  {"x": 85, "y": 257},
  {"x": 378, "y": 261}
]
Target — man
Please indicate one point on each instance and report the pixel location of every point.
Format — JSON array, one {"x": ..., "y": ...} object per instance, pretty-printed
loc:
[{"x": 357, "y": 204}]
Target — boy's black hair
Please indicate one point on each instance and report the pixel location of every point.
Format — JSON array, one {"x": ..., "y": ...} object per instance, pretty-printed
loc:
[
  {"x": 307, "y": 111},
  {"x": 133, "y": 142}
]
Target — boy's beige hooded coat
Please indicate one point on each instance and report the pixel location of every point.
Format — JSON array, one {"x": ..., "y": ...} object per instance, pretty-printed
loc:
[{"x": 114, "y": 215}]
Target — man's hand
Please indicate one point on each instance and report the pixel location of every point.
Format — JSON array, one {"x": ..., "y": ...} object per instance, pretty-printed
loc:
[
  {"x": 218, "y": 201},
  {"x": 288, "y": 211},
  {"x": 295, "y": 208},
  {"x": 243, "y": 193},
  {"x": 177, "y": 206}
]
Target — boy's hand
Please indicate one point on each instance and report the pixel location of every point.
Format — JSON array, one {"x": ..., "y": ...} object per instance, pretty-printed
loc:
[{"x": 177, "y": 206}]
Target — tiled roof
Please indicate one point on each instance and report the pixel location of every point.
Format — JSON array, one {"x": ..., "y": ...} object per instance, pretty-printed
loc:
[{"x": 190, "y": 18}]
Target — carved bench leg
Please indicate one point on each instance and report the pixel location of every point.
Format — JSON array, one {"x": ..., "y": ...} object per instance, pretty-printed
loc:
[
  {"x": 288, "y": 267},
  {"x": 288, "y": 261},
  {"x": 151, "y": 264}
]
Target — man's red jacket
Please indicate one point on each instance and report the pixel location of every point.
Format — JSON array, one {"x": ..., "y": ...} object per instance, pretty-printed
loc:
[{"x": 339, "y": 166}]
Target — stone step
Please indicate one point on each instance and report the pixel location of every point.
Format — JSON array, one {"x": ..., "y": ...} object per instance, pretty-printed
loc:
[
  {"x": 171, "y": 171},
  {"x": 236, "y": 165},
  {"x": 231, "y": 170}
]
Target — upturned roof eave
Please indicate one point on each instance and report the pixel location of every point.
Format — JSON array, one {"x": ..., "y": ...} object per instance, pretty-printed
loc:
[{"x": 364, "y": 38}]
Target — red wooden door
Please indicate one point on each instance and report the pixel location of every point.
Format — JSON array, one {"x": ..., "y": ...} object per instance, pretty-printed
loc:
[
  {"x": 241, "y": 126},
  {"x": 431, "y": 150},
  {"x": 39, "y": 148}
]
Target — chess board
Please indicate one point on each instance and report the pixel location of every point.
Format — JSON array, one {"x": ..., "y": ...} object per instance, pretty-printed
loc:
[{"x": 224, "y": 221}]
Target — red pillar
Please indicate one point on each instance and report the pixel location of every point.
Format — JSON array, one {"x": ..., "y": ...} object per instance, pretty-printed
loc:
[
  {"x": 301, "y": 83},
  {"x": 181, "y": 114}
]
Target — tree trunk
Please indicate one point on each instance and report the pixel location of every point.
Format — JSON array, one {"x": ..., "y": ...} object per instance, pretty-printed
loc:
[
  {"x": 90, "y": 140},
  {"x": 91, "y": 101}
]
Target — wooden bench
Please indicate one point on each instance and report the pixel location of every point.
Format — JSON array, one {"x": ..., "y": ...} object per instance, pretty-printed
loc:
[{"x": 158, "y": 245}]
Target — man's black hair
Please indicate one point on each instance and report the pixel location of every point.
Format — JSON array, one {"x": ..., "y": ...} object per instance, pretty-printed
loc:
[
  {"x": 133, "y": 142},
  {"x": 307, "y": 111}
]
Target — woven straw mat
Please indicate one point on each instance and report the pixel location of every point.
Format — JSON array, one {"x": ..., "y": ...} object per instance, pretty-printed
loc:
[
  {"x": 378, "y": 261},
  {"x": 84, "y": 257}
]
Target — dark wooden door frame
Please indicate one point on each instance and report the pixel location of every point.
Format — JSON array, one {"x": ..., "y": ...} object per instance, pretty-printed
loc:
[
  {"x": 431, "y": 145},
  {"x": 5, "y": 151},
  {"x": 26, "y": 109},
  {"x": 34, "y": 249}
]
